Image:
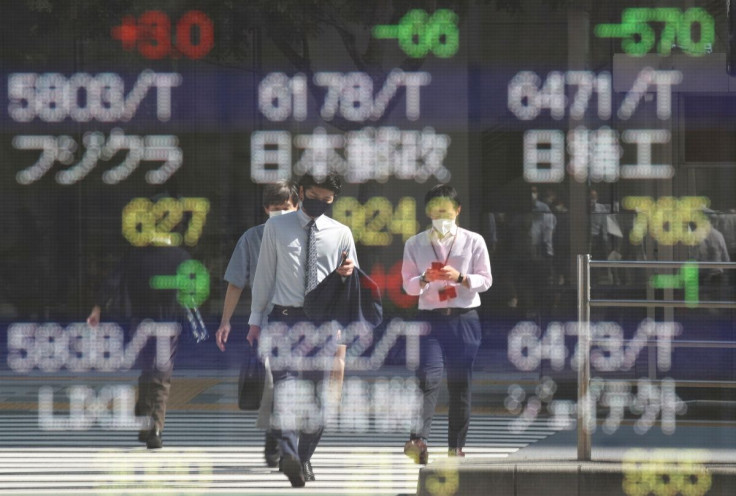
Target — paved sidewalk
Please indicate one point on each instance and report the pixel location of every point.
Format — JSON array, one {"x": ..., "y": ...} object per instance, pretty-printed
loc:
[{"x": 698, "y": 459}]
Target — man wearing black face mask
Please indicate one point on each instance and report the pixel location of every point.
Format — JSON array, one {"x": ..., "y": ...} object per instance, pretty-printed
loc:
[{"x": 298, "y": 250}]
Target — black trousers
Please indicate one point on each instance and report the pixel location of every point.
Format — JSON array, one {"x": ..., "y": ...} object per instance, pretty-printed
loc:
[{"x": 451, "y": 346}]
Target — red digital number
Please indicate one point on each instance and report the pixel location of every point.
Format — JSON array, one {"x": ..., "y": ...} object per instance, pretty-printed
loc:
[
  {"x": 195, "y": 34},
  {"x": 154, "y": 34},
  {"x": 184, "y": 34}
]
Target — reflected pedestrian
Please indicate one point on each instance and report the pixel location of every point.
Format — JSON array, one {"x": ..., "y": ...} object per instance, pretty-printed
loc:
[{"x": 130, "y": 286}]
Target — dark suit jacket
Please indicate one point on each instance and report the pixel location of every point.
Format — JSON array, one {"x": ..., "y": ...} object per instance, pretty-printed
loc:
[{"x": 358, "y": 298}]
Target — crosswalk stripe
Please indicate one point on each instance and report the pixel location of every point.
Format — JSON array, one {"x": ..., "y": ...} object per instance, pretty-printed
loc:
[{"x": 208, "y": 453}]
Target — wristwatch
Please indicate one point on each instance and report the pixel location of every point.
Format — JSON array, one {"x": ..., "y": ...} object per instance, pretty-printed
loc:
[
  {"x": 423, "y": 278},
  {"x": 460, "y": 278}
]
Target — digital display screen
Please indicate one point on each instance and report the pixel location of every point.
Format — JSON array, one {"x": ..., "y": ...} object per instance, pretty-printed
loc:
[{"x": 142, "y": 135}]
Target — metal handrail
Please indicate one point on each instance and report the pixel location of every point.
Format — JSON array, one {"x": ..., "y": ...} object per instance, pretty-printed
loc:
[
  {"x": 584, "y": 338},
  {"x": 656, "y": 264},
  {"x": 680, "y": 343},
  {"x": 661, "y": 303}
]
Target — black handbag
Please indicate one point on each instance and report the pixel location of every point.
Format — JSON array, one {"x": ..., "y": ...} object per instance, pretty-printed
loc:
[{"x": 252, "y": 379}]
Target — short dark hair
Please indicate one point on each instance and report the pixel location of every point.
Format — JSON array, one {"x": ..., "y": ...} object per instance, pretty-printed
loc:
[
  {"x": 442, "y": 191},
  {"x": 280, "y": 192},
  {"x": 331, "y": 182}
]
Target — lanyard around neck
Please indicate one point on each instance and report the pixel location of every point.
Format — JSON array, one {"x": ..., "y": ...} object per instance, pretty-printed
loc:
[{"x": 449, "y": 252}]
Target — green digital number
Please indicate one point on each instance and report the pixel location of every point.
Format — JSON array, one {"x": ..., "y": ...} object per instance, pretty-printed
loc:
[
  {"x": 419, "y": 33},
  {"x": 191, "y": 281},
  {"x": 638, "y": 37}
]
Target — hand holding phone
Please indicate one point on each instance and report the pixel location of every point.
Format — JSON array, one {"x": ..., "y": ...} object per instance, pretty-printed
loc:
[{"x": 433, "y": 272}]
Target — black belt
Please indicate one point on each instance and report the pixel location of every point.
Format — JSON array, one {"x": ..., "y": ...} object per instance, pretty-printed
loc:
[
  {"x": 449, "y": 311},
  {"x": 288, "y": 311},
  {"x": 293, "y": 311}
]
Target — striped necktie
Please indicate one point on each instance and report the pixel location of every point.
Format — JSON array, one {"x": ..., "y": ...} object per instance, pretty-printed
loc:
[{"x": 310, "y": 271}]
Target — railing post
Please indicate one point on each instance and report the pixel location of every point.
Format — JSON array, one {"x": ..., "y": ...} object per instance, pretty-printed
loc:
[
  {"x": 586, "y": 404},
  {"x": 583, "y": 411}
]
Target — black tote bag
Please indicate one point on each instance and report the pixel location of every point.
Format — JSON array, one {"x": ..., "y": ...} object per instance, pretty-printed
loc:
[{"x": 252, "y": 379}]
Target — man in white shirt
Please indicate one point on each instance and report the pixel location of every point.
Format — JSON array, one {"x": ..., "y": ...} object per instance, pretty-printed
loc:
[
  {"x": 298, "y": 250},
  {"x": 447, "y": 267}
]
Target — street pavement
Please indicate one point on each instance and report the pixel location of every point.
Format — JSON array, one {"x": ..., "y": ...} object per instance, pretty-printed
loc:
[{"x": 211, "y": 447}]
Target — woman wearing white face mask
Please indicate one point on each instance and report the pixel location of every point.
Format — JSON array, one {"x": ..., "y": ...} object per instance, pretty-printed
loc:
[{"x": 447, "y": 267}]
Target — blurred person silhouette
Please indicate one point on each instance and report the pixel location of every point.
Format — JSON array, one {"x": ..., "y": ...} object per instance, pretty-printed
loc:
[
  {"x": 532, "y": 250},
  {"x": 712, "y": 248},
  {"x": 600, "y": 242},
  {"x": 278, "y": 199},
  {"x": 447, "y": 267},
  {"x": 298, "y": 251},
  {"x": 605, "y": 238},
  {"x": 129, "y": 294},
  {"x": 725, "y": 222},
  {"x": 560, "y": 236}
]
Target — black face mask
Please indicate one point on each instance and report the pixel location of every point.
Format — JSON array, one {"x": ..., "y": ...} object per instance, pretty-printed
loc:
[{"x": 314, "y": 207}]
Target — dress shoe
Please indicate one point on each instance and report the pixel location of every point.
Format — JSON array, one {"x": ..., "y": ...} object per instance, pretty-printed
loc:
[
  {"x": 416, "y": 449},
  {"x": 291, "y": 467},
  {"x": 154, "y": 439},
  {"x": 456, "y": 452},
  {"x": 271, "y": 450},
  {"x": 143, "y": 435},
  {"x": 308, "y": 472}
]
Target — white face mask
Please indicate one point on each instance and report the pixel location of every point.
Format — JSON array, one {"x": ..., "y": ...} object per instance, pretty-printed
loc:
[
  {"x": 276, "y": 213},
  {"x": 443, "y": 226}
]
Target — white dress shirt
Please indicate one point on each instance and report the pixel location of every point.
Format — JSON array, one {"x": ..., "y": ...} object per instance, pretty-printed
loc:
[
  {"x": 467, "y": 253},
  {"x": 280, "y": 273}
]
